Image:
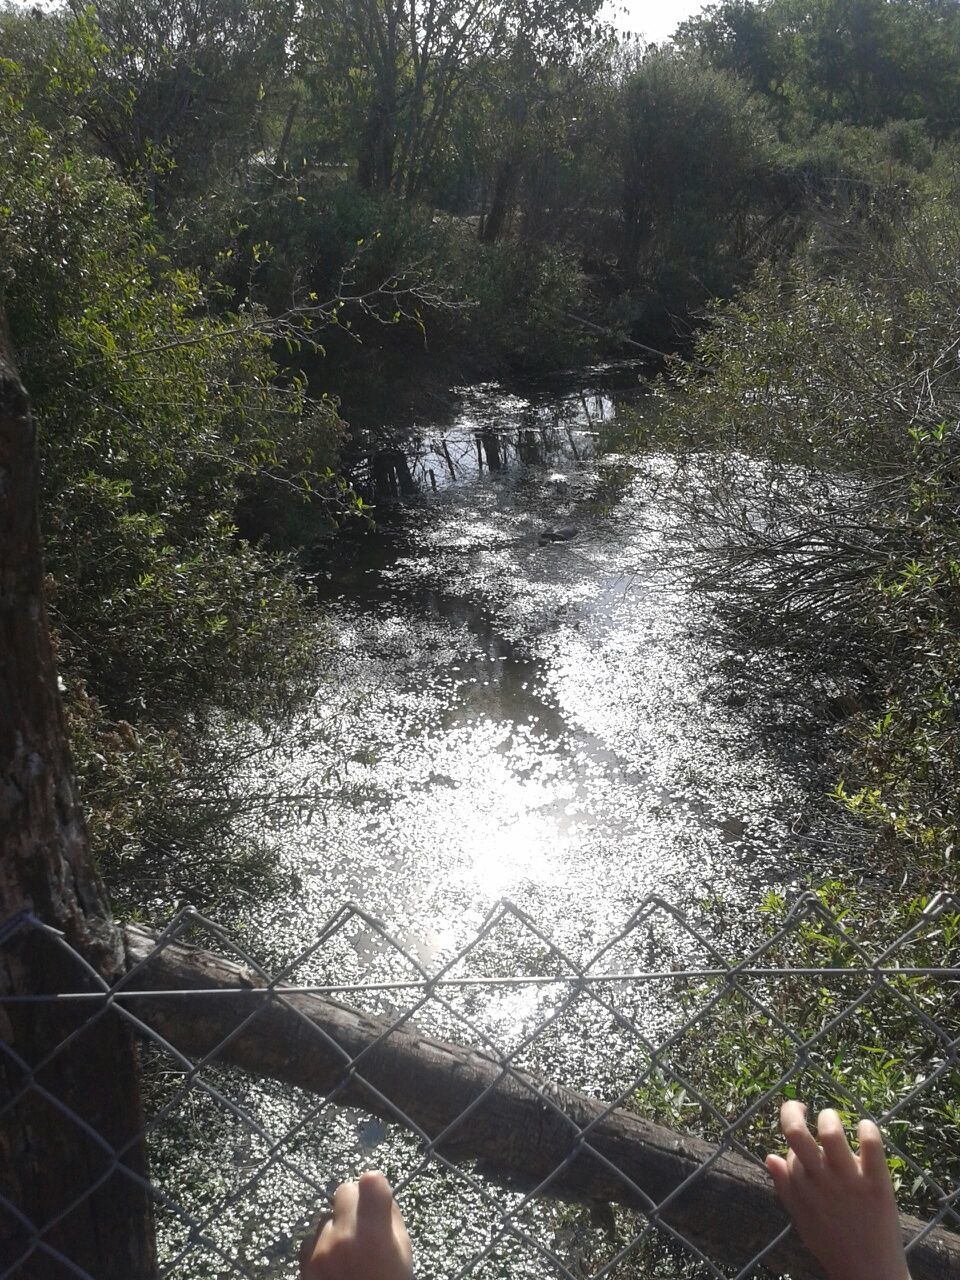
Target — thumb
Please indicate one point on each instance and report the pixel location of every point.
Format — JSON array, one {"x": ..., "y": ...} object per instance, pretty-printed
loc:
[{"x": 374, "y": 1203}]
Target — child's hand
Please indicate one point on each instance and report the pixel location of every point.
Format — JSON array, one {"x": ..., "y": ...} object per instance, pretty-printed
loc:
[
  {"x": 364, "y": 1239},
  {"x": 841, "y": 1204}
]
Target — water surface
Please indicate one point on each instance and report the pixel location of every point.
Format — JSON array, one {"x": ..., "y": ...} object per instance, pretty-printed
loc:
[
  {"x": 560, "y": 724},
  {"x": 548, "y": 722}
]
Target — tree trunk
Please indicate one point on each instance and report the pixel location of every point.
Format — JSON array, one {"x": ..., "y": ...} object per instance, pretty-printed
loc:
[
  {"x": 75, "y": 1199},
  {"x": 501, "y": 202},
  {"x": 521, "y": 1129},
  {"x": 280, "y": 161},
  {"x": 375, "y": 166}
]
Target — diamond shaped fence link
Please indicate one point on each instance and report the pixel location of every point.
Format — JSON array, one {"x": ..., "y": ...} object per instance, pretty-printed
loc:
[{"x": 582, "y": 1192}]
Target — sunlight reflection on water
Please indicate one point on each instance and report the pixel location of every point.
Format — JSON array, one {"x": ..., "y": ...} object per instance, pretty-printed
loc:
[
  {"x": 512, "y": 719},
  {"x": 534, "y": 721}
]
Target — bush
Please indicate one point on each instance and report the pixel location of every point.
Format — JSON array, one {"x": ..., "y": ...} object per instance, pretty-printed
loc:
[
  {"x": 154, "y": 415},
  {"x": 523, "y": 298},
  {"x": 863, "y": 1049},
  {"x": 827, "y": 407},
  {"x": 492, "y": 305},
  {"x": 818, "y": 465},
  {"x": 696, "y": 160}
]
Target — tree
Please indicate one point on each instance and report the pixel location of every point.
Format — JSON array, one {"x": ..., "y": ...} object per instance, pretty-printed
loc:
[
  {"x": 157, "y": 416},
  {"x": 407, "y": 64},
  {"x": 47, "y": 1160},
  {"x": 694, "y": 152},
  {"x": 859, "y": 62},
  {"x": 539, "y": 141},
  {"x": 740, "y": 36},
  {"x": 179, "y": 91}
]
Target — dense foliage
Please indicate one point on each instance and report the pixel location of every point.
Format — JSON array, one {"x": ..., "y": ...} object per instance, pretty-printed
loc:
[
  {"x": 865, "y": 1050},
  {"x": 854, "y": 62},
  {"x": 632, "y": 184},
  {"x": 827, "y": 401},
  {"x": 155, "y": 417},
  {"x": 818, "y": 447}
]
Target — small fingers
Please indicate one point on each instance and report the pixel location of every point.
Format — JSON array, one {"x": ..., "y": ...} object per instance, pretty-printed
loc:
[
  {"x": 375, "y": 1202},
  {"x": 793, "y": 1122},
  {"x": 873, "y": 1160},
  {"x": 780, "y": 1175},
  {"x": 305, "y": 1253},
  {"x": 311, "y": 1243},
  {"x": 345, "y": 1204},
  {"x": 789, "y": 1181},
  {"x": 801, "y": 1182},
  {"x": 833, "y": 1140}
]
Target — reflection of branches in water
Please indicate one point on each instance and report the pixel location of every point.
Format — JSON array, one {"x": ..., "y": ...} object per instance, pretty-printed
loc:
[
  {"x": 478, "y": 449},
  {"x": 494, "y": 432}
]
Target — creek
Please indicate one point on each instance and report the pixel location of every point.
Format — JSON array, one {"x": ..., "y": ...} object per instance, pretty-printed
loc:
[
  {"x": 548, "y": 721},
  {"x": 559, "y": 723}
]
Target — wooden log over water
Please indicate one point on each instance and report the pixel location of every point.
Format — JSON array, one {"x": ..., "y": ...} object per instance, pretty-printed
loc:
[{"x": 730, "y": 1211}]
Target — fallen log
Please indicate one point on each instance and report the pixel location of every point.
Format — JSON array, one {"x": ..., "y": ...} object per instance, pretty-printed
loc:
[{"x": 517, "y": 1126}]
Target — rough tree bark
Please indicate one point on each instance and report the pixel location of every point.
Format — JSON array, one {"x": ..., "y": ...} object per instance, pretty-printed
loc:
[
  {"x": 729, "y": 1210},
  {"x": 501, "y": 204},
  {"x": 80, "y": 1202}
]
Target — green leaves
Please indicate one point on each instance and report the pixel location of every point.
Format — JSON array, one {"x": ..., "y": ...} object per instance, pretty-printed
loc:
[
  {"x": 843, "y": 1040},
  {"x": 156, "y": 417}
]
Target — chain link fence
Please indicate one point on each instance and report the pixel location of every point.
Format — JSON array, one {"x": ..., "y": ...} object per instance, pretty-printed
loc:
[{"x": 540, "y": 1114}]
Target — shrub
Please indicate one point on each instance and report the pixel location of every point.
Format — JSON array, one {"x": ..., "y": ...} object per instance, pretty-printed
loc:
[
  {"x": 827, "y": 409},
  {"x": 153, "y": 414}
]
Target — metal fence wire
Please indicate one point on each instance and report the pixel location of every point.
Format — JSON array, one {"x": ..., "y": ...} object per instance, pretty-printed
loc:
[{"x": 539, "y": 1114}]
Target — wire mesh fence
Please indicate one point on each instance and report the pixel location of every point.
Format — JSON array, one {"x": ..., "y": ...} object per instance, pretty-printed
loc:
[{"x": 539, "y": 1114}]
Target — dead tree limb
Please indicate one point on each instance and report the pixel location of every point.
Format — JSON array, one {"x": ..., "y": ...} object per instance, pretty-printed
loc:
[
  {"x": 47, "y": 872},
  {"x": 729, "y": 1210}
]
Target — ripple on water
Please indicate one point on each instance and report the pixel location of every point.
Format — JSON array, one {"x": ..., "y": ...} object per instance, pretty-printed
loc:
[{"x": 537, "y": 723}]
